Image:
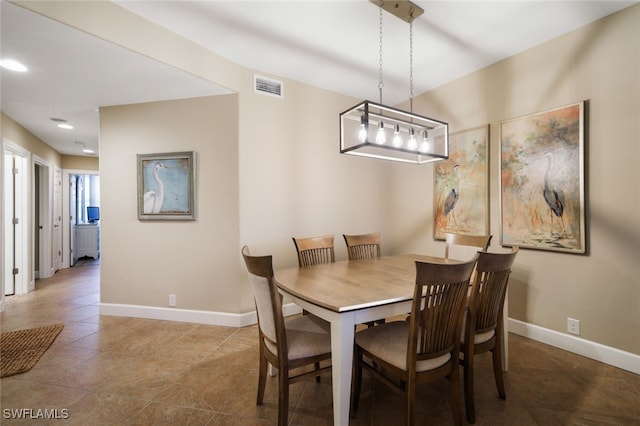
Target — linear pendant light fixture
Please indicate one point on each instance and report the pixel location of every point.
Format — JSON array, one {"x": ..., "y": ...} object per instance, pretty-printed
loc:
[{"x": 374, "y": 130}]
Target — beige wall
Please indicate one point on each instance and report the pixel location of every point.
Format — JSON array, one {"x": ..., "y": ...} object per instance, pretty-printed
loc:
[
  {"x": 292, "y": 181},
  {"x": 600, "y": 64},
  {"x": 17, "y": 134},
  {"x": 76, "y": 162},
  {"x": 143, "y": 262}
]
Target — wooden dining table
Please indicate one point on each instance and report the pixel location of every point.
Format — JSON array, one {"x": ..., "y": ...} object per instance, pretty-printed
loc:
[{"x": 347, "y": 293}]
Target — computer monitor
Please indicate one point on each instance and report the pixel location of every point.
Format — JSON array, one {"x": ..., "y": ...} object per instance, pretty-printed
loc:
[{"x": 93, "y": 214}]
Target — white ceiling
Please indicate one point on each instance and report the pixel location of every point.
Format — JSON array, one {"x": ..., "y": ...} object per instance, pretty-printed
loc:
[
  {"x": 329, "y": 44},
  {"x": 71, "y": 74}
]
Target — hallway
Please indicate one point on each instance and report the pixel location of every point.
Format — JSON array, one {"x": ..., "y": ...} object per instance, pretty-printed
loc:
[{"x": 127, "y": 371}]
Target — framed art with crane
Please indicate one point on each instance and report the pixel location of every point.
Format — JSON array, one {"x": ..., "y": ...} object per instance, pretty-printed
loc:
[
  {"x": 166, "y": 186},
  {"x": 542, "y": 188},
  {"x": 461, "y": 185}
]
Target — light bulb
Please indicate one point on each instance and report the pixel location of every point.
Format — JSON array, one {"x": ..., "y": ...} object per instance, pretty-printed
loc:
[
  {"x": 412, "y": 144},
  {"x": 397, "y": 139},
  {"x": 362, "y": 134},
  {"x": 12, "y": 65},
  {"x": 381, "y": 138},
  {"x": 426, "y": 142}
]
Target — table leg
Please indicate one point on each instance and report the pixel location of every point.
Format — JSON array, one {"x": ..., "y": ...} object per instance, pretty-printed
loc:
[
  {"x": 342, "y": 334},
  {"x": 505, "y": 333}
]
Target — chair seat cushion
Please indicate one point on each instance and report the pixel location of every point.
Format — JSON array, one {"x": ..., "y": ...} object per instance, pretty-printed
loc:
[
  {"x": 482, "y": 337},
  {"x": 389, "y": 342},
  {"x": 307, "y": 335},
  {"x": 477, "y": 338}
]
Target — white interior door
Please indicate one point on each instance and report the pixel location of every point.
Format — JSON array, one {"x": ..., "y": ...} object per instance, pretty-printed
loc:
[
  {"x": 72, "y": 219},
  {"x": 9, "y": 241},
  {"x": 57, "y": 219},
  {"x": 16, "y": 220}
]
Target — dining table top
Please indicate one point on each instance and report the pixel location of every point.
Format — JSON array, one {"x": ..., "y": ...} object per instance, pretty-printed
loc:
[{"x": 355, "y": 284}]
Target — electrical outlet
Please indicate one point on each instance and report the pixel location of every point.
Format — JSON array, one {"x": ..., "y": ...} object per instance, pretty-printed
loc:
[
  {"x": 573, "y": 326},
  {"x": 172, "y": 300}
]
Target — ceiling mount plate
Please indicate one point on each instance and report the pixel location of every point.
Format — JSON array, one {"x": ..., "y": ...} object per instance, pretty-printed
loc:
[{"x": 402, "y": 9}]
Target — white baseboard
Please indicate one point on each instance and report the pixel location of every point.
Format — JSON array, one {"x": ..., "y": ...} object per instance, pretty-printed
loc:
[
  {"x": 188, "y": 315},
  {"x": 606, "y": 354}
]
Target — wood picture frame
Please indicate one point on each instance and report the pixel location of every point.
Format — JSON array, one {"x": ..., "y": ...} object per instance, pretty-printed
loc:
[
  {"x": 542, "y": 188},
  {"x": 166, "y": 186},
  {"x": 461, "y": 185}
]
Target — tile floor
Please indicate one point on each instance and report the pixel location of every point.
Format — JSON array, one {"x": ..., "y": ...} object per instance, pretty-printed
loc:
[{"x": 105, "y": 370}]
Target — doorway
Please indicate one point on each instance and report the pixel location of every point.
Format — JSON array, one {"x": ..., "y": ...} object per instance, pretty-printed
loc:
[
  {"x": 15, "y": 219},
  {"x": 42, "y": 220},
  {"x": 83, "y": 192}
]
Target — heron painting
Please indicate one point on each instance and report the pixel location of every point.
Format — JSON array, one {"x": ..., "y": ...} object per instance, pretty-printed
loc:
[
  {"x": 153, "y": 199},
  {"x": 166, "y": 186},
  {"x": 461, "y": 185},
  {"x": 542, "y": 180}
]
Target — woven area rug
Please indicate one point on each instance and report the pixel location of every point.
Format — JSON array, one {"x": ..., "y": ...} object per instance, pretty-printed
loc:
[{"x": 21, "y": 349}]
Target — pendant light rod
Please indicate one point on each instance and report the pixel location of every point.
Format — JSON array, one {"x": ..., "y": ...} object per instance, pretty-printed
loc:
[
  {"x": 402, "y": 9},
  {"x": 411, "y": 63},
  {"x": 380, "y": 80}
]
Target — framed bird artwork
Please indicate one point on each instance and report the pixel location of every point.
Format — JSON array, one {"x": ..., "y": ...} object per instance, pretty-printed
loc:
[
  {"x": 461, "y": 185},
  {"x": 542, "y": 186},
  {"x": 166, "y": 186}
]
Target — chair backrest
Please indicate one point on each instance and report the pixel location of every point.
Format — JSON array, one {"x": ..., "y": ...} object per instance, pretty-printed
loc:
[
  {"x": 479, "y": 241},
  {"x": 436, "y": 313},
  {"x": 267, "y": 298},
  {"x": 364, "y": 246},
  {"x": 488, "y": 290},
  {"x": 315, "y": 250}
]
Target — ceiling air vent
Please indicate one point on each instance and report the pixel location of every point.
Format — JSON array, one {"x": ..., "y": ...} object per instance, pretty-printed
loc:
[{"x": 267, "y": 86}]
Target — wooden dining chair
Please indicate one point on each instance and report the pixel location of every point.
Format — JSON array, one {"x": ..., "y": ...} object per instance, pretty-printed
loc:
[
  {"x": 479, "y": 241},
  {"x": 362, "y": 246},
  {"x": 315, "y": 250},
  {"x": 287, "y": 344},
  {"x": 404, "y": 354},
  {"x": 483, "y": 321}
]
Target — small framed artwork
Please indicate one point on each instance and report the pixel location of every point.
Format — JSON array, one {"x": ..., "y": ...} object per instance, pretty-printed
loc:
[
  {"x": 461, "y": 185},
  {"x": 542, "y": 180},
  {"x": 166, "y": 186}
]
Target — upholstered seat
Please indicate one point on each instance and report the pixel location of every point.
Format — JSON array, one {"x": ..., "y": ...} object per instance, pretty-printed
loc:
[
  {"x": 306, "y": 337},
  {"x": 390, "y": 345},
  {"x": 477, "y": 338}
]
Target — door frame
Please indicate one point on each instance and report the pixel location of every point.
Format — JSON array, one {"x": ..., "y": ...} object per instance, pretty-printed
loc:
[
  {"x": 25, "y": 282},
  {"x": 67, "y": 229},
  {"x": 45, "y": 215}
]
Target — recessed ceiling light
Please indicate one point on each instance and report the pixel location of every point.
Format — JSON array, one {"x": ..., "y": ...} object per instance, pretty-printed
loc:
[
  {"x": 12, "y": 65},
  {"x": 65, "y": 126},
  {"x": 88, "y": 151}
]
